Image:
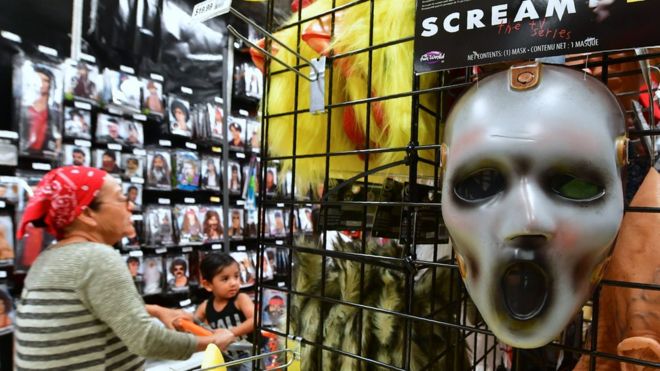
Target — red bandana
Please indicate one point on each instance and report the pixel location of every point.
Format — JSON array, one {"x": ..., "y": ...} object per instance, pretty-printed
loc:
[{"x": 61, "y": 196}]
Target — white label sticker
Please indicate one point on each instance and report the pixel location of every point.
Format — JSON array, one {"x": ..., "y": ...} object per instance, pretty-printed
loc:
[
  {"x": 240, "y": 202},
  {"x": 140, "y": 117},
  {"x": 216, "y": 246},
  {"x": 162, "y": 250},
  {"x": 279, "y": 242},
  {"x": 243, "y": 112},
  {"x": 139, "y": 152},
  {"x": 186, "y": 90},
  {"x": 137, "y": 180},
  {"x": 114, "y": 111},
  {"x": 136, "y": 253},
  {"x": 137, "y": 217},
  {"x": 114, "y": 146},
  {"x": 219, "y": 100},
  {"x": 48, "y": 51},
  {"x": 186, "y": 249},
  {"x": 258, "y": 159},
  {"x": 3, "y": 274},
  {"x": 281, "y": 284},
  {"x": 240, "y": 155},
  {"x": 2, "y": 204},
  {"x": 82, "y": 105},
  {"x": 41, "y": 166},
  {"x": 279, "y": 204},
  {"x": 165, "y": 143},
  {"x": 241, "y": 248},
  {"x": 209, "y": 9},
  {"x": 127, "y": 69},
  {"x": 156, "y": 77},
  {"x": 189, "y": 200},
  {"x": 308, "y": 205},
  {"x": 11, "y": 36},
  {"x": 88, "y": 58},
  {"x": 185, "y": 303},
  {"x": 191, "y": 145},
  {"x": 8, "y": 134},
  {"x": 164, "y": 201}
]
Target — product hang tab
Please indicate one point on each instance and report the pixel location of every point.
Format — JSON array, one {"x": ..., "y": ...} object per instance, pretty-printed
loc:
[{"x": 317, "y": 86}]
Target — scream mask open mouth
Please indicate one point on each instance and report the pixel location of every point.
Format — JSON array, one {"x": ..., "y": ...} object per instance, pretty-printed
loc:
[{"x": 532, "y": 196}]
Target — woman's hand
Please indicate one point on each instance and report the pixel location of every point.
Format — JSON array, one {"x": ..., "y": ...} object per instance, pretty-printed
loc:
[{"x": 222, "y": 338}]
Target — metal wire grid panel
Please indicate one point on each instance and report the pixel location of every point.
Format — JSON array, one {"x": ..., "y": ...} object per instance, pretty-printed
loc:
[{"x": 366, "y": 303}]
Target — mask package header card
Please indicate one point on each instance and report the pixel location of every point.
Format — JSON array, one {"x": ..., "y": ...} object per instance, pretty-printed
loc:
[{"x": 459, "y": 33}]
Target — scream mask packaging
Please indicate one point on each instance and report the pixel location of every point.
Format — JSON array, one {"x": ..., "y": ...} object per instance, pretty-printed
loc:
[{"x": 532, "y": 195}]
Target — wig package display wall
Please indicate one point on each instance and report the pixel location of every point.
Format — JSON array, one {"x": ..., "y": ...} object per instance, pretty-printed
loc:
[
  {"x": 383, "y": 334},
  {"x": 383, "y": 123}
]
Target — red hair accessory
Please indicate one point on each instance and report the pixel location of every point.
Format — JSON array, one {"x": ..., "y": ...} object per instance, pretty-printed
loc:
[{"x": 61, "y": 195}]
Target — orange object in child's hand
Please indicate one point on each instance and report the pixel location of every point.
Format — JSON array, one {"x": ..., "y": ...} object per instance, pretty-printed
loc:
[{"x": 188, "y": 326}]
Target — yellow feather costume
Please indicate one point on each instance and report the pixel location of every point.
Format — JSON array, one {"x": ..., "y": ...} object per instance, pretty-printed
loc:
[{"x": 391, "y": 73}]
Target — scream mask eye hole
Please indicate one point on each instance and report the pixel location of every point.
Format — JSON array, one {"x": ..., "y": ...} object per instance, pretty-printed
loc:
[
  {"x": 574, "y": 188},
  {"x": 480, "y": 185}
]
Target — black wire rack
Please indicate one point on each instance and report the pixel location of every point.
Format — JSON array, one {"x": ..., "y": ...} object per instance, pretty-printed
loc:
[{"x": 340, "y": 317}]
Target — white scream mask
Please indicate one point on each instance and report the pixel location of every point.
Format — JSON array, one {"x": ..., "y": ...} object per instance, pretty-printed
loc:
[{"x": 532, "y": 195}]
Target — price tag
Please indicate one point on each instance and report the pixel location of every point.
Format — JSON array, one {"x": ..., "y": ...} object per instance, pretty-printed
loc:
[
  {"x": 189, "y": 200},
  {"x": 240, "y": 202},
  {"x": 165, "y": 143},
  {"x": 219, "y": 100},
  {"x": 215, "y": 199},
  {"x": 243, "y": 112},
  {"x": 186, "y": 249},
  {"x": 114, "y": 111},
  {"x": 48, "y": 51},
  {"x": 41, "y": 166},
  {"x": 88, "y": 58},
  {"x": 157, "y": 77},
  {"x": 162, "y": 250},
  {"x": 279, "y": 242},
  {"x": 136, "y": 253},
  {"x": 279, "y": 204},
  {"x": 213, "y": 149},
  {"x": 241, "y": 248},
  {"x": 240, "y": 155},
  {"x": 137, "y": 180},
  {"x": 140, "y": 117},
  {"x": 216, "y": 246},
  {"x": 139, "y": 152},
  {"x": 137, "y": 217},
  {"x": 258, "y": 159},
  {"x": 3, "y": 274},
  {"x": 281, "y": 284},
  {"x": 127, "y": 69},
  {"x": 164, "y": 201},
  {"x": 2, "y": 204},
  {"x": 185, "y": 303},
  {"x": 114, "y": 146},
  {"x": 191, "y": 145},
  {"x": 11, "y": 36},
  {"x": 8, "y": 134},
  {"x": 82, "y": 105},
  {"x": 209, "y": 9},
  {"x": 186, "y": 90}
]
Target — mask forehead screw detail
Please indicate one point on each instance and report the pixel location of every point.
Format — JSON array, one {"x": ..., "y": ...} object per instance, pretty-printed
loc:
[{"x": 524, "y": 77}]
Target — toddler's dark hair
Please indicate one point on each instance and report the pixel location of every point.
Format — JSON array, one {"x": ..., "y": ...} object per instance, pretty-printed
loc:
[{"x": 213, "y": 263}]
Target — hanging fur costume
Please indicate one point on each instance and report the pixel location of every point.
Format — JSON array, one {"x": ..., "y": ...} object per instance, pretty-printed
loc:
[
  {"x": 383, "y": 334},
  {"x": 391, "y": 73}
]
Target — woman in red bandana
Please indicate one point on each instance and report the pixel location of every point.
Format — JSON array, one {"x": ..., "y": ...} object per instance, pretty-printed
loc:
[{"x": 79, "y": 307}]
